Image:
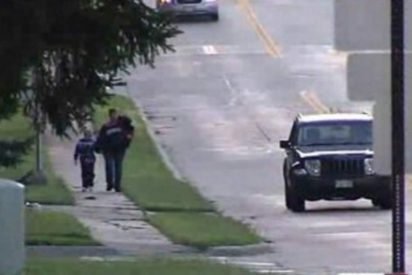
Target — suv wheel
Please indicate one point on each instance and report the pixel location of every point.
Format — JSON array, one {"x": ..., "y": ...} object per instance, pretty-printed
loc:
[
  {"x": 288, "y": 200},
  {"x": 292, "y": 200},
  {"x": 296, "y": 204},
  {"x": 285, "y": 180},
  {"x": 384, "y": 203},
  {"x": 215, "y": 17}
]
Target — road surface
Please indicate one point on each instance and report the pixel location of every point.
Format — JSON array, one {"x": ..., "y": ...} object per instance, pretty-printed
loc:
[{"x": 221, "y": 103}]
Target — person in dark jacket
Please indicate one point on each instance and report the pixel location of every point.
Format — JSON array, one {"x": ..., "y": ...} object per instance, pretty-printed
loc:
[
  {"x": 113, "y": 140},
  {"x": 84, "y": 152}
]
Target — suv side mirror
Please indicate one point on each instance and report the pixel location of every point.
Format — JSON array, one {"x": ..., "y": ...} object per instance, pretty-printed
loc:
[{"x": 284, "y": 144}]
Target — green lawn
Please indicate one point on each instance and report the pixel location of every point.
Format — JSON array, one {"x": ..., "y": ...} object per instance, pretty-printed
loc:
[
  {"x": 54, "y": 192},
  {"x": 140, "y": 267},
  {"x": 203, "y": 230},
  {"x": 55, "y": 228},
  {"x": 180, "y": 212}
]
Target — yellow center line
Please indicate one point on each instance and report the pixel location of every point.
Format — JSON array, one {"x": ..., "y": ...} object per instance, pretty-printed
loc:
[
  {"x": 271, "y": 46},
  {"x": 313, "y": 100},
  {"x": 273, "y": 49}
]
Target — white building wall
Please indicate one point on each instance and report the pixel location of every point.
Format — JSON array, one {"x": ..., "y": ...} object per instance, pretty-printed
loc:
[
  {"x": 365, "y": 25},
  {"x": 362, "y": 28}
]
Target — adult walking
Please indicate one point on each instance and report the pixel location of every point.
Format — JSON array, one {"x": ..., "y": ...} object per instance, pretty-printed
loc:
[{"x": 113, "y": 140}]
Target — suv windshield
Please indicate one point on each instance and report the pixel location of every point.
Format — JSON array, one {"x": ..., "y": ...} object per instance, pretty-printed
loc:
[{"x": 335, "y": 133}]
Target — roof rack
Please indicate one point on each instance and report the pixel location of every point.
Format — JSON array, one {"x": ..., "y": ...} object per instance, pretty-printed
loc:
[{"x": 334, "y": 110}]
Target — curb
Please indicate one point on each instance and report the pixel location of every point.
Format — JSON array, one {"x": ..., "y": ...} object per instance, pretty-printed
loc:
[
  {"x": 103, "y": 251},
  {"x": 71, "y": 251},
  {"x": 163, "y": 154},
  {"x": 143, "y": 250},
  {"x": 247, "y": 250},
  {"x": 234, "y": 251}
]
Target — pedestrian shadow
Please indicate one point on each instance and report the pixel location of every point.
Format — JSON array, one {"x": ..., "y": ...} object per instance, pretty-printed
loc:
[{"x": 90, "y": 197}]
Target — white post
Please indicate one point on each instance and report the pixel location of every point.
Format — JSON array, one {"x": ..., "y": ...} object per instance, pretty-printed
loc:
[{"x": 12, "y": 236}]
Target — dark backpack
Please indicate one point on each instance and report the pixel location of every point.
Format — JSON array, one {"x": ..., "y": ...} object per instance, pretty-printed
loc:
[{"x": 127, "y": 124}]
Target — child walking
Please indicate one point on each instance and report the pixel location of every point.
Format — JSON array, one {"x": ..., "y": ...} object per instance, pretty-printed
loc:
[{"x": 85, "y": 153}]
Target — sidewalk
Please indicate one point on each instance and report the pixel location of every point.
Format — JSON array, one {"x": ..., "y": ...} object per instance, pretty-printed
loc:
[
  {"x": 112, "y": 218},
  {"x": 121, "y": 228}
]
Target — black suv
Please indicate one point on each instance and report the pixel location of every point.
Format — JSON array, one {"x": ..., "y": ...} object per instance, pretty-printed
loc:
[{"x": 329, "y": 156}]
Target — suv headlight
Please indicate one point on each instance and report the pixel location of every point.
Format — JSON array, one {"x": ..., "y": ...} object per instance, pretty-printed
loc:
[
  {"x": 368, "y": 165},
  {"x": 313, "y": 166}
]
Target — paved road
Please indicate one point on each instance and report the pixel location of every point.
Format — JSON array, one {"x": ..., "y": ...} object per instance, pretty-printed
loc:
[{"x": 221, "y": 103}]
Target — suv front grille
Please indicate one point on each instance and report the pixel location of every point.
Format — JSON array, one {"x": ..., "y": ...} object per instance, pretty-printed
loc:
[
  {"x": 188, "y": 1},
  {"x": 342, "y": 167}
]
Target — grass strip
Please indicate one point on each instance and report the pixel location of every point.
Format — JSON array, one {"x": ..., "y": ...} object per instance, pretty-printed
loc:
[
  {"x": 139, "y": 267},
  {"x": 54, "y": 192},
  {"x": 179, "y": 209},
  {"x": 203, "y": 230},
  {"x": 55, "y": 228},
  {"x": 146, "y": 179}
]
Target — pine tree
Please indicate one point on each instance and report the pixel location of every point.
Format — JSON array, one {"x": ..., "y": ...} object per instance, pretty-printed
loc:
[{"x": 58, "y": 57}]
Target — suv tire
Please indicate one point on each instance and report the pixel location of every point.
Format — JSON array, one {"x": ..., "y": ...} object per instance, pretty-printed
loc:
[
  {"x": 292, "y": 200},
  {"x": 383, "y": 203},
  {"x": 288, "y": 198},
  {"x": 215, "y": 17},
  {"x": 296, "y": 204},
  {"x": 285, "y": 180}
]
